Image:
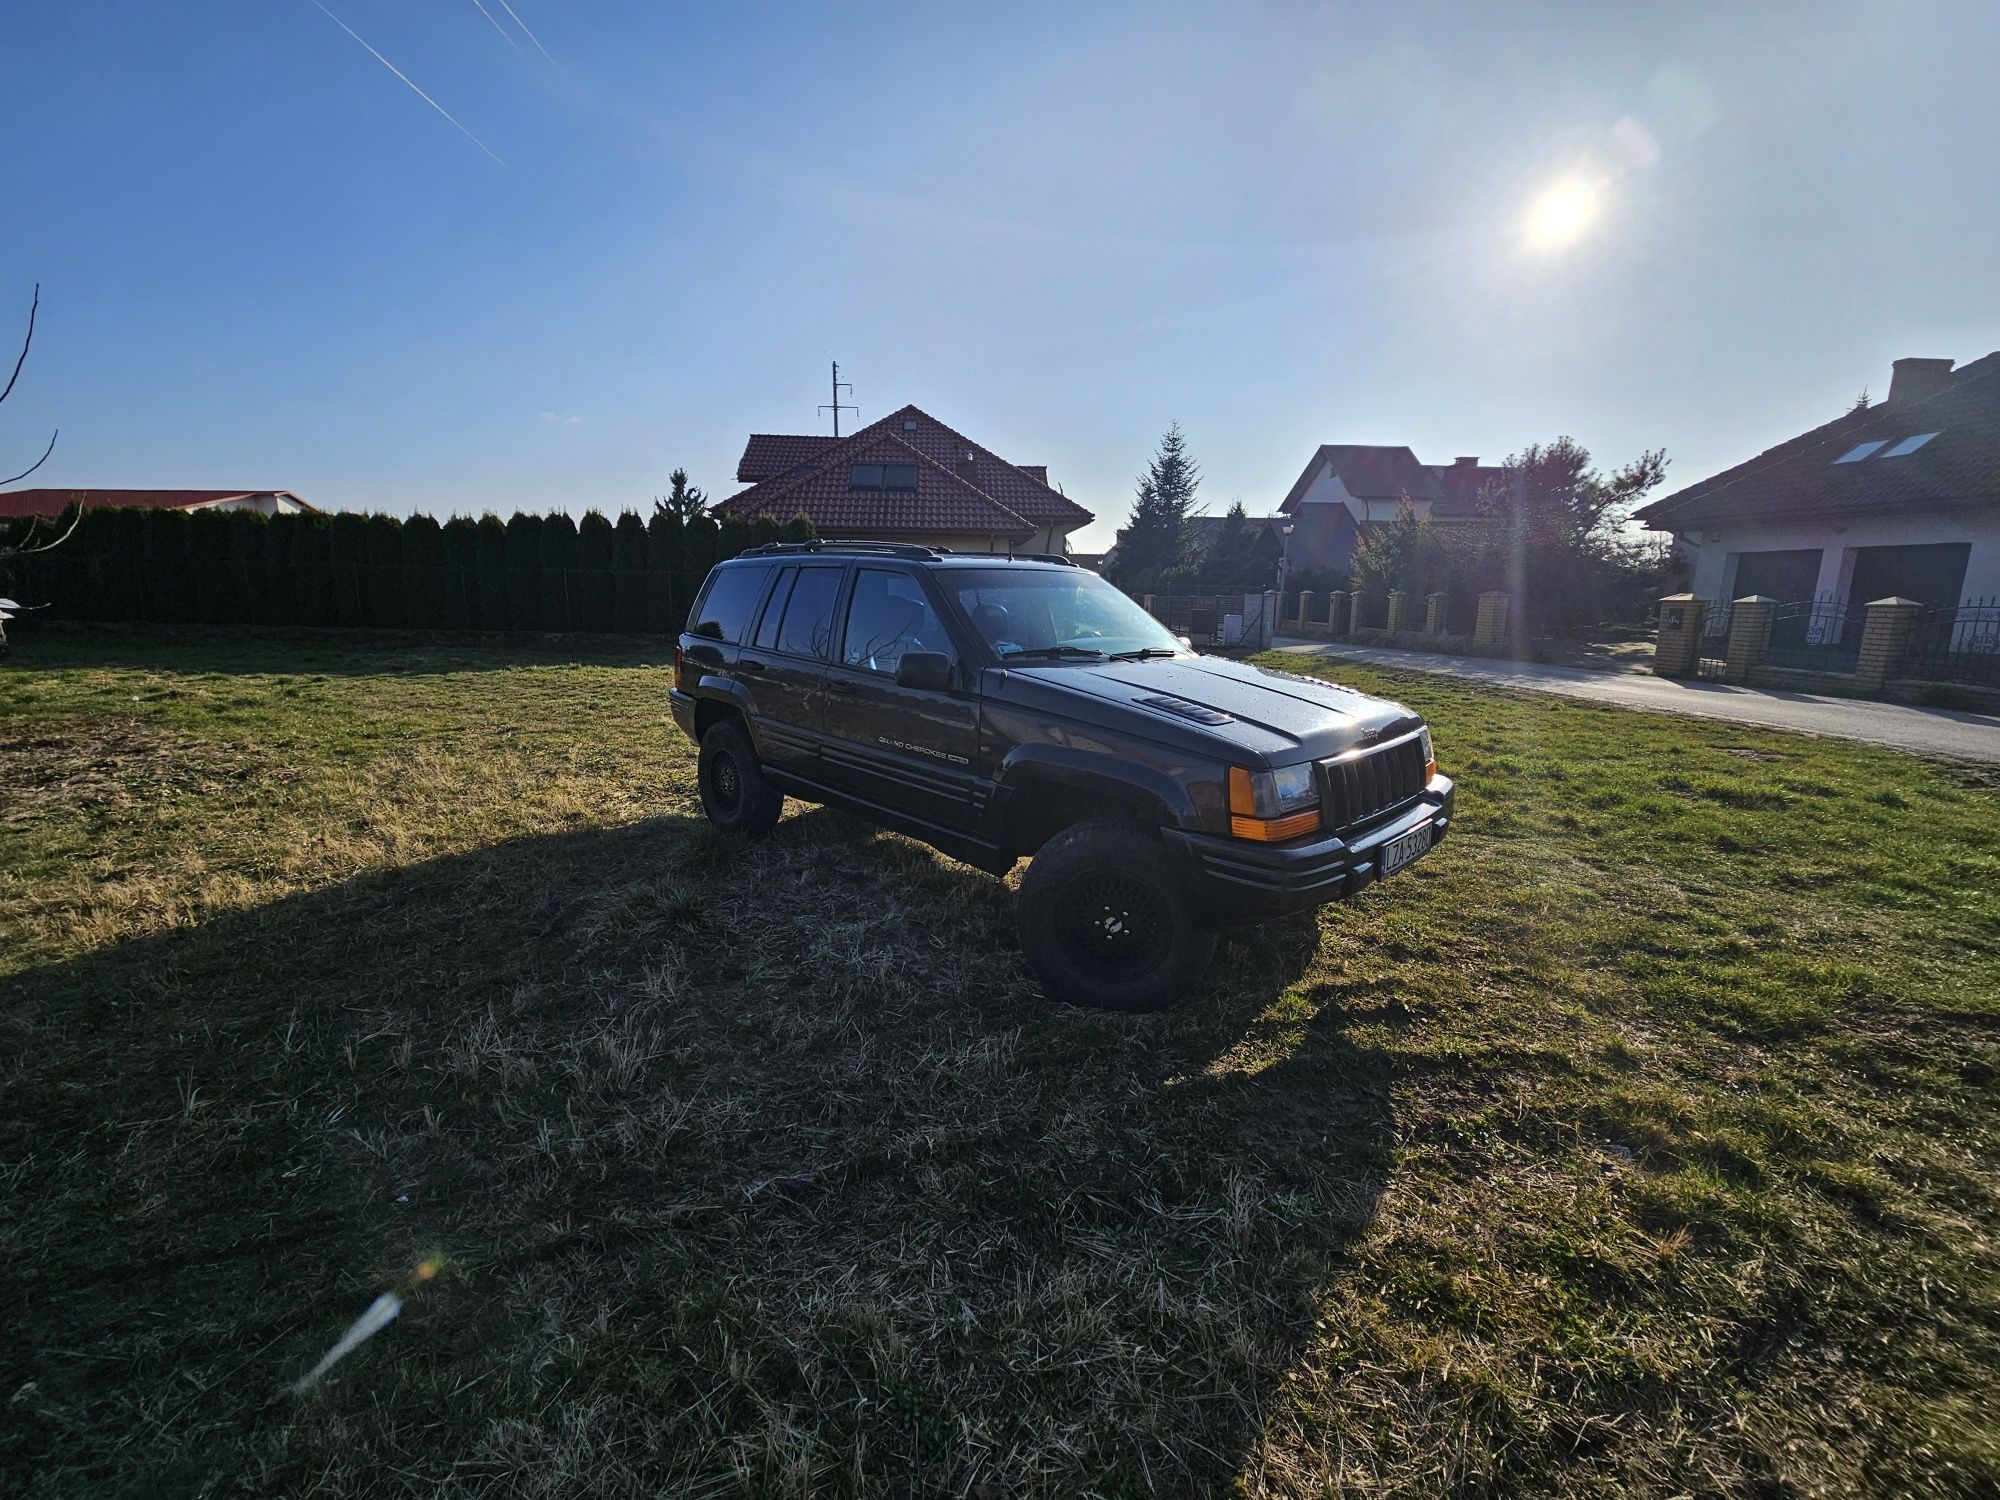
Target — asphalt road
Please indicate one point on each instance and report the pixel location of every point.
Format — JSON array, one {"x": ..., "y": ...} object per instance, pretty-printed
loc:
[{"x": 1940, "y": 732}]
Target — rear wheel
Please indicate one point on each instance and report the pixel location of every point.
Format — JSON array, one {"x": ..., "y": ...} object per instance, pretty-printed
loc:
[
  {"x": 1104, "y": 923},
  {"x": 734, "y": 793}
]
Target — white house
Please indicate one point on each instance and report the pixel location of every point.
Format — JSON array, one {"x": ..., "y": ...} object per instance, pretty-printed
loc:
[
  {"x": 53, "y": 502},
  {"x": 1897, "y": 499}
]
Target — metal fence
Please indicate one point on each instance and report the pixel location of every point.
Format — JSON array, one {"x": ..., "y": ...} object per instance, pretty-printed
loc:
[
  {"x": 1956, "y": 643},
  {"x": 1714, "y": 643},
  {"x": 1816, "y": 635},
  {"x": 1216, "y": 619}
]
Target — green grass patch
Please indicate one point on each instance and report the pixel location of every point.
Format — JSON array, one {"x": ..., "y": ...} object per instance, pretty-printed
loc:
[{"x": 1639, "y": 1141}]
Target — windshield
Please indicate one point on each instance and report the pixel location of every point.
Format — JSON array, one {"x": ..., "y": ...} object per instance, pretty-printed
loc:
[{"x": 1055, "y": 615}]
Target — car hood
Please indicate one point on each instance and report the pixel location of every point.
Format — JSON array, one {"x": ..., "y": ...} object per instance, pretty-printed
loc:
[{"x": 1279, "y": 716}]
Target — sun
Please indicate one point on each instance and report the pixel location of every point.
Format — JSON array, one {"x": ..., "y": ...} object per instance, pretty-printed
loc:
[{"x": 1562, "y": 213}]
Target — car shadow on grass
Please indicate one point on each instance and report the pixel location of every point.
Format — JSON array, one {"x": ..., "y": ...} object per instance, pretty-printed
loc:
[{"x": 692, "y": 1160}]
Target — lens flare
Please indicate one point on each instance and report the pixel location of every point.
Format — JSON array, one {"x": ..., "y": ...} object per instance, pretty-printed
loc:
[{"x": 1562, "y": 213}]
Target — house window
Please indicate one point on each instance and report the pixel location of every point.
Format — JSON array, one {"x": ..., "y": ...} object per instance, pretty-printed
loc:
[
  {"x": 883, "y": 477},
  {"x": 1909, "y": 445},
  {"x": 1860, "y": 451}
]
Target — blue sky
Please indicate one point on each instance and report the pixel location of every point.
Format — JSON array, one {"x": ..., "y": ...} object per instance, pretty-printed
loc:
[{"x": 266, "y": 262}]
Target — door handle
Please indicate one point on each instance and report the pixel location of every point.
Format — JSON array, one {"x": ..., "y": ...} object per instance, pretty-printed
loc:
[
  {"x": 750, "y": 664},
  {"x": 843, "y": 687}
]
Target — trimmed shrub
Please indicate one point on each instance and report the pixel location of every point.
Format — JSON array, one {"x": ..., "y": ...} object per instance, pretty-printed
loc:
[
  {"x": 561, "y": 609},
  {"x": 386, "y": 606},
  {"x": 665, "y": 538},
  {"x": 347, "y": 576},
  {"x": 525, "y": 588},
  {"x": 628, "y": 574},
  {"x": 593, "y": 562},
  {"x": 423, "y": 573},
  {"x": 314, "y": 582},
  {"x": 461, "y": 572}
]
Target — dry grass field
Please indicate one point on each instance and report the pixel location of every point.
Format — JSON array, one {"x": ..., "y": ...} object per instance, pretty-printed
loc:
[{"x": 1640, "y": 1142}]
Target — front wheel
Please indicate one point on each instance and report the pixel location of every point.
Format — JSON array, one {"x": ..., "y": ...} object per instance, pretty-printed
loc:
[
  {"x": 734, "y": 793},
  {"x": 1104, "y": 922}
]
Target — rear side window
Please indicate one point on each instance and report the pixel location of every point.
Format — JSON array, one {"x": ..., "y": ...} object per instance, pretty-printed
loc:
[
  {"x": 767, "y": 628},
  {"x": 730, "y": 600},
  {"x": 808, "y": 627}
]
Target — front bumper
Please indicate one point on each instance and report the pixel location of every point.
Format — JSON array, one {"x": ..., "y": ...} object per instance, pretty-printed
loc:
[{"x": 1235, "y": 880}]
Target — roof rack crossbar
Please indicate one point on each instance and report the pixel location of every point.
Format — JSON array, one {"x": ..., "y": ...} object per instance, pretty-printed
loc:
[{"x": 892, "y": 549}]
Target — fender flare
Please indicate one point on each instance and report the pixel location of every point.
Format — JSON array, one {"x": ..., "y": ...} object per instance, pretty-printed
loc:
[
  {"x": 1090, "y": 771},
  {"x": 726, "y": 692}
]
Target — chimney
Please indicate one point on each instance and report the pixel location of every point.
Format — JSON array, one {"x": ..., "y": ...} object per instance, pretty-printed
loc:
[
  {"x": 1911, "y": 380},
  {"x": 1466, "y": 463}
]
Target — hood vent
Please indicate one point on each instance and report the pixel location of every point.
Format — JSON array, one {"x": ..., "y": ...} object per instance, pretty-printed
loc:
[{"x": 1186, "y": 708}]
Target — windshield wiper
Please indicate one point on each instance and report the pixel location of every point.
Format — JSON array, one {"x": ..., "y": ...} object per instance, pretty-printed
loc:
[
  {"x": 1088, "y": 652},
  {"x": 1142, "y": 653}
]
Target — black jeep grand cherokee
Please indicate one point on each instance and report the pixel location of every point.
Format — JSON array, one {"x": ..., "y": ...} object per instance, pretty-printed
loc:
[{"x": 996, "y": 707}]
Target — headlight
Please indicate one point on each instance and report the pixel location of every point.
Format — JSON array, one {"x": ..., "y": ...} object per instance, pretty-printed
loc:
[
  {"x": 1430, "y": 755},
  {"x": 1273, "y": 805}
]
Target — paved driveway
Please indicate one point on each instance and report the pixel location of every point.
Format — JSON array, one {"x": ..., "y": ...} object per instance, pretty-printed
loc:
[{"x": 1920, "y": 731}]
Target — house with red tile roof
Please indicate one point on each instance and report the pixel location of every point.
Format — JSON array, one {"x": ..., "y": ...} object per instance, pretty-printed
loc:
[
  {"x": 53, "y": 502},
  {"x": 1348, "y": 490},
  {"x": 1897, "y": 499},
  {"x": 906, "y": 478}
]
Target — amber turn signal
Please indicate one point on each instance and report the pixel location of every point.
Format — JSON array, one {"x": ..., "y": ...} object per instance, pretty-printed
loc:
[
  {"x": 1244, "y": 823},
  {"x": 1275, "y": 830}
]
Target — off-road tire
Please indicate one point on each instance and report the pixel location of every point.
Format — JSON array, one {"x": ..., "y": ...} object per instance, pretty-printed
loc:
[
  {"x": 1104, "y": 923},
  {"x": 734, "y": 793}
]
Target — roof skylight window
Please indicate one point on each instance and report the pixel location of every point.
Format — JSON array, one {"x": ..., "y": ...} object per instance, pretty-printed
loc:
[
  {"x": 1860, "y": 451},
  {"x": 1909, "y": 445}
]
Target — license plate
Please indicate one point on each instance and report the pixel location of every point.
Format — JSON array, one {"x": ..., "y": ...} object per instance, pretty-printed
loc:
[{"x": 1404, "y": 848}]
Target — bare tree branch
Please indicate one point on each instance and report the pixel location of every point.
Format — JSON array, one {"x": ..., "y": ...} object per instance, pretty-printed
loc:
[
  {"x": 38, "y": 462},
  {"x": 33, "y": 307},
  {"x": 24, "y": 550}
]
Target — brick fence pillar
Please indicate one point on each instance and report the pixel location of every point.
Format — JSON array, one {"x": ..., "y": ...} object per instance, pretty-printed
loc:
[
  {"x": 1749, "y": 636},
  {"x": 1490, "y": 629},
  {"x": 1268, "y": 628},
  {"x": 1434, "y": 612},
  {"x": 1677, "y": 649},
  {"x": 1336, "y": 611},
  {"x": 1885, "y": 642},
  {"x": 1306, "y": 598},
  {"x": 1354, "y": 606},
  {"x": 1399, "y": 609},
  {"x": 1146, "y": 603}
]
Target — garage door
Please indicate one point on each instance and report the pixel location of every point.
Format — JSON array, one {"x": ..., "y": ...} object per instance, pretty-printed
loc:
[
  {"x": 1784, "y": 576},
  {"x": 1930, "y": 574}
]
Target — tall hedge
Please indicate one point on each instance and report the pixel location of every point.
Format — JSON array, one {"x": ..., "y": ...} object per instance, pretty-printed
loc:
[
  {"x": 529, "y": 573},
  {"x": 423, "y": 573},
  {"x": 629, "y": 583},
  {"x": 524, "y": 573},
  {"x": 593, "y": 561},
  {"x": 665, "y": 536},
  {"x": 561, "y": 608}
]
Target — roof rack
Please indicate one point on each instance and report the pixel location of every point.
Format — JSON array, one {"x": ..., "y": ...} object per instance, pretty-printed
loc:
[
  {"x": 902, "y": 549},
  {"x": 893, "y": 549}
]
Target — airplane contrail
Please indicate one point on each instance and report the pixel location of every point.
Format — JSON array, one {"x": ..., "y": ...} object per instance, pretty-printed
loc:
[
  {"x": 529, "y": 34},
  {"x": 509, "y": 40},
  {"x": 406, "y": 79}
]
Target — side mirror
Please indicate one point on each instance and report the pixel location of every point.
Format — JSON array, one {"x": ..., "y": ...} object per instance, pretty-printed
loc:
[{"x": 929, "y": 670}]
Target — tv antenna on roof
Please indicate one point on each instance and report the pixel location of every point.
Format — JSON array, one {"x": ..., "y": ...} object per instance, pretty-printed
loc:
[{"x": 837, "y": 406}]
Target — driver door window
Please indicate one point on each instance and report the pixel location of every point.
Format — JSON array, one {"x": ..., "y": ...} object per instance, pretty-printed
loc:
[{"x": 887, "y": 617}]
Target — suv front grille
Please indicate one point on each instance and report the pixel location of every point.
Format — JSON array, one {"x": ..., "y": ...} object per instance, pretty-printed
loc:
[{"x": 1369, "y": 786}]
